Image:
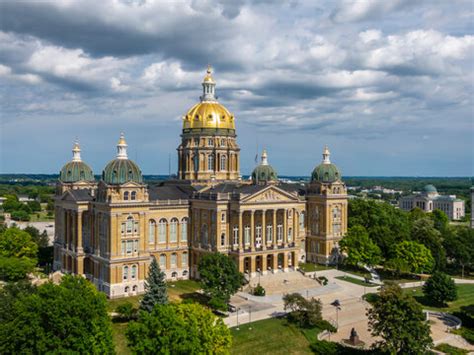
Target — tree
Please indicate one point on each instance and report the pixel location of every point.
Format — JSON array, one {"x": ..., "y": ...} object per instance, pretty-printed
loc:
[
  {"x": 359, "y": 247},
  {"x": 440, "y": 288},
  {"x": 34, "y": 206},
  {"x": 126, "y": 311},
  {"x": 18, "y": 254},
  {"x": 440, "y": 220},
  {"x": 220, "y": 278},
  {"x": 179, "y": 329},
  {"x": 424, "y": 232},
  {"x": 11, "y": 203},
  {"x": 459, "y": 246},
  {"x": 155, "y": 288},
  {"x": 306, "y": 313},
  {"x": 20, "y": 216},
  {"x": 67, "y": 318},
  {"x": 399, "y": 320},
  {"x": 414, "y": 256},
  {"x": 41, "y": 239}
]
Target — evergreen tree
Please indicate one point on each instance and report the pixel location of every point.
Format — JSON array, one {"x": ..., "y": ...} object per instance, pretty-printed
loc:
[{"x": 155, "y": 288}]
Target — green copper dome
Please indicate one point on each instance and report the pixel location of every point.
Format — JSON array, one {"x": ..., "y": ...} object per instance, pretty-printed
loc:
[
  {"x": 76, "y": 171},
  {"x": 120, "y": 171},
  {"x": 326, "y": 171},
  {"x": 429, "y": 189},
  {"x": 264, "y": 172}
]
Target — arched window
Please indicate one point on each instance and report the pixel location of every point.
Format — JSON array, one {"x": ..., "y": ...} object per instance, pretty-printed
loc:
[
  {"x": 184, "y": 229},
  {"x": 162, "y": 230},
  {"x": 133, "y": 195},
  {"x": 125, "y": 195},
  {"x": 196, "y": 162},
  {"x": 134, "y": 288},
  {"x": 174, "y": 230},
  {"x": 173, "y": 260},
  {"x": 125, "y": 273},
  {"x": 184, "y": 260},
  {"x": 134, "y": 272},
  {"x": 163, "y": 261},
  {"x": 174, "y": 274},
  {"x": 127, "y": 289},
  {"x": 151, "y": 231},
  {"x": 222, "y": 239},
  {"x": 210, "y": 162},
  {"x": 223, "y": 162}
]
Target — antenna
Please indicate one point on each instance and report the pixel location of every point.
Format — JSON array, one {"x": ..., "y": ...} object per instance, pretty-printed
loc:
[{"x": 169, "y": 165}]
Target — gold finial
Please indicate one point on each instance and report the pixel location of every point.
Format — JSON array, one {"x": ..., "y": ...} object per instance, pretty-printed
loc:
[
  {"x": 122, "y": 139},
  {"x": 209, "y": 69}
]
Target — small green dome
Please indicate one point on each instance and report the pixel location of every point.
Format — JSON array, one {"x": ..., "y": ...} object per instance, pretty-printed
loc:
[
  {"x": 75, "y": 171},
  {"x": 120, "y": 171},
  {"x": 264, "y": 173},
  {"x": 429, "y": 189},
  {"x": 326, "y": 173}
]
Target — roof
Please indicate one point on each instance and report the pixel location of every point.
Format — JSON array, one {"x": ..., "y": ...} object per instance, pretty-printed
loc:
[
  {"x": 74, "y": 171},
  {"x": 119, "y": 171},
  {"x": 170, "y": 190},
  {"x": 81, "y": 194}
]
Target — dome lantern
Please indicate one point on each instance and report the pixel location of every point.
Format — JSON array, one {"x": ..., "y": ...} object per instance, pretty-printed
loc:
[
  {"x": 208, "y": 87},
  {"x": 76, "y": 152},
  {"x": 122, "y": 147}
]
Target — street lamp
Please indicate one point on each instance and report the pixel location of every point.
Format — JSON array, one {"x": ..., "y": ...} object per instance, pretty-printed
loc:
[
  {"x": 337, "y": 305},
  {"x": 250, "y": 317},
  {"x": 238, "y": 309}
]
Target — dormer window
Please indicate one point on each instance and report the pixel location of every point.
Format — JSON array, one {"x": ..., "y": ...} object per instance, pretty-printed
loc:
[
  {"x": 125, "y": 195},
  {"x": 210, "y": 142},
  {"x": 134, "y": 195}
]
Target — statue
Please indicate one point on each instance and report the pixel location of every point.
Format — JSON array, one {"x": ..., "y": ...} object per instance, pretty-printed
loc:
[{"x": 354, "y": 338}]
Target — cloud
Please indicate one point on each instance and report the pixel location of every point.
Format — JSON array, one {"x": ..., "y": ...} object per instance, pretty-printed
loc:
[{"x": 354, "y": 11}]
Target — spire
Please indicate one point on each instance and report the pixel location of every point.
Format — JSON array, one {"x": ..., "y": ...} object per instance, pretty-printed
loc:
[
  {"x": 76, "y": 151},
  {"x": 264, "y": 158},
  {"x": 208, "y": 86},
  {"x": 122, "y": 147},
  {"x": 326, "y": 155}
]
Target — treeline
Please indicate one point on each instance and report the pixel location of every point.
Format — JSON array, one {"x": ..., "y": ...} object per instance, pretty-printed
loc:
[{"x": 413, "y": 242}]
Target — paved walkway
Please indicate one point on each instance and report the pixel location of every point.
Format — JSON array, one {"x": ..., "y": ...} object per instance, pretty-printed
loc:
[{"x": 351, "y": 315}]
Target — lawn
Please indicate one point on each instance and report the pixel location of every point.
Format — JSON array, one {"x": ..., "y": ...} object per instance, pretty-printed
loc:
[
  {"x": 269, "y": 336},
  {"x": 118, "y": 333},
  {"x": 41, "y": 217},
  {"x": 465, "y": 298},
  {"x": 310, "y": 267},
  {"x": 355, "y": 281}
]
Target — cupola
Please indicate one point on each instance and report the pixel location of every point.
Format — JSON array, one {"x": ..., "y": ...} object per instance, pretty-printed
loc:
[
  {"x": 326, "y": 172},
  {"x": 76, "y": 170},
  {"x": 264, "y": 172}
]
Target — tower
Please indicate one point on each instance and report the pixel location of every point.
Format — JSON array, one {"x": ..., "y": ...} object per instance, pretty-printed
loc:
[
  {"x": 208, "y": 150},
  {"x": 326, "y": 210}
]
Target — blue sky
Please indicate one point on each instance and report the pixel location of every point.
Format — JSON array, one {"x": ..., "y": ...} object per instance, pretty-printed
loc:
[{"x": 388, "y": 85}]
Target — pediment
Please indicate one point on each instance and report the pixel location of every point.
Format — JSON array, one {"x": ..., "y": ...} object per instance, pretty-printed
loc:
[{"x": 270, "y": 194}]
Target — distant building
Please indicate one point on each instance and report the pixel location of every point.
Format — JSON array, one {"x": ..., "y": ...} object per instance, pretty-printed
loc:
[{"x": 429, "y": 200}]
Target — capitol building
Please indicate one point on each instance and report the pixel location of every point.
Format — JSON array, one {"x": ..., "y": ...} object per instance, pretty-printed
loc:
[{"x": 110, "y": 229}]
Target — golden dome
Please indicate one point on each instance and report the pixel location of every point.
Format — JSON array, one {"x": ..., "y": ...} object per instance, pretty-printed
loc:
[{"x": 208, "y": 114}]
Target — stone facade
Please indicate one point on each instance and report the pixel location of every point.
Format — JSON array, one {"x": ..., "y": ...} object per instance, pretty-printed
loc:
[{"x": 109, "y": 230}]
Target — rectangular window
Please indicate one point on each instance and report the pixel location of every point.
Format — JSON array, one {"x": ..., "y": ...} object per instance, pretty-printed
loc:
[
  {"x": 129, "y": 226},
  {"x": 173, "y": 260},
  {"x": 236, "y": 235},
  {"x": 135, "y": 246},
  {"x": 162, "y": 232},
  {"x": 247, "y": 234},
  {"x": 290, "y": 234},
  {"x": 173, "y": 231},
  {"x": 123, "y": 247},
  {"x": 223, "y": 217},
  {"x": 279, "y": 233},
  {"x": 123, "y": 228},
  {"x": 184, "y": 260},
  {"x": 129, "y": 246},
  {"x": 269, "y": 233},
  {"x": 135, "y": 227}
]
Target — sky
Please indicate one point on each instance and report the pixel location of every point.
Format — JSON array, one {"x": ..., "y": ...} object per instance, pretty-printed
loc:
[{"x": 387, "y": 85}]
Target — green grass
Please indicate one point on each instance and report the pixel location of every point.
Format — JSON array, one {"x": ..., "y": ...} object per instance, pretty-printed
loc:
[
  {"x": 120, "y": 341},
  {"x": 451, "y": 350},
  {"x": 269, "y": 336},
  {"x": 310, "y": 267},
  {"x": 465, "y": 298},
  {"x": 112, "y": 304},
  {"x": 355, "y": 281},
  {"x": 41, "y": 217},
  {"x": 354, "y": 270}
]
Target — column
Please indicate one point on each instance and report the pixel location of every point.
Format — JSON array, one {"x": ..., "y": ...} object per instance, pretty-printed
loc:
[
  {"x": 264, "y": 264},
  {"x": 252, "y": 265},
  {"x": 275, "y": 262},
  {"x": 295, "y": 225},
  {"x": 285, "y": 261},
  {"x": 274, "y": 227},
  {"x": 285, "y": 227},
  {"x": 264, "y": 231},
  {"x": 241, "y": 240},
  {"x": 80, "y": 258},
  {"x": 252, "y": 230}
]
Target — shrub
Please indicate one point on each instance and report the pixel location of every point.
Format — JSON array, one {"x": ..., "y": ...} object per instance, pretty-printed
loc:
[
  {"x": 323, "y": 280},
  {"x": 259, "y": 290},
  {"x": 305, "y": 313},
  {"x": 324, "y": 347},
  {"x": 440, "y": 288},
  {"x": 371, "y": 297},
  {"x": 449, "y": 349},
  {"x": 126, "y": 311},
  {"x": 325, "y": 325}
]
